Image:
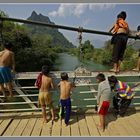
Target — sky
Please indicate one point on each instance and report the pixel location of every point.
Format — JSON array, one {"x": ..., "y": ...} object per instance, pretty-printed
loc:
[{"x": 94, "y": 16}]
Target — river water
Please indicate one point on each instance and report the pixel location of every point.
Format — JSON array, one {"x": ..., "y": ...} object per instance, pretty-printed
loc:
[{"x": 68, "y": 62}]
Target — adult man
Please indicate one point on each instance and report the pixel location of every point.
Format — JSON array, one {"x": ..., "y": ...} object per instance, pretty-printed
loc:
[{"x": 7, "y": 63}]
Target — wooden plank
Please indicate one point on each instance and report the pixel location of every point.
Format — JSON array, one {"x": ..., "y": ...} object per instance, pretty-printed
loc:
[
  {"x": 134, "y": 119},
  {"x": 96, "y": 119},
  {"x": 122, "y": 126},
  {"x": 65, "y": 129},
  {"x": 37, "y": 128},
  {"x": 112, "y": 127},
  {"x": 83, "y": 126},
  {"x": 138, "y": 114},
  {"x": 119, "y": 127},
  {"x": 19, "y": 129},
  {"x": 3, "y": 126},
  {"x": 12, "y": 127},
  {"x": 56, "y": 128},
  {"x": 127, "y": 121},
  {"x": 47, "y": 129},
  {"x": 92, "y": 126},
  {"x": 1, "y": 121},
  {"x": 29, "y": 127},
  {"x": 74, "y": 126}
]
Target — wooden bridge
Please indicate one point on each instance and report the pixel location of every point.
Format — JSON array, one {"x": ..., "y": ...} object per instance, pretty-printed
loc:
[
  {"x": 27, "y": 121},
  {"x": 27, "y": 124}
]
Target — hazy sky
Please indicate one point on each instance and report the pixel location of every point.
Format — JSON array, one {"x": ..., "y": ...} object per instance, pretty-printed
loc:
[{"x": 87, "y": 15}]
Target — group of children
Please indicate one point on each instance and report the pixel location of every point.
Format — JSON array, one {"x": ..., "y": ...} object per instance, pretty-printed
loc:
[
  {"x": 44, "y": 83},
  {"x": 121, "y": 99}
]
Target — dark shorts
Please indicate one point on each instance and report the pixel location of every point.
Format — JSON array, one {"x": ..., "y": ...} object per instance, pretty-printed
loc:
[
  {"x": 119, "y": 46},
  {"x": 65, "y": 109},
  {"x": 104, "y": 108},
  {"x": 5, "y": 75},
  {"x": 121, "y": 105}
]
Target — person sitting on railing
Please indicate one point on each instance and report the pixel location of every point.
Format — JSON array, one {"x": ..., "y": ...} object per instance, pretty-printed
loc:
[
  {"x": 65, "y": 101},
  {"x": 7, "y": 63},
  {"x": 103, "y": 99},
  {"x": 45, "y": 98},
  {"x": 120, "y": 31},
  {"x": 123, "y": 96}
]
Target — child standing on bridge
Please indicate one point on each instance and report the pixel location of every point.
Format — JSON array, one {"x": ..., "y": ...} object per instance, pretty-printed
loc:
[
  {"x": 65, "y": 101},
  {"x": 103, "y": 99},
  {"x": 44, "y": 82}
]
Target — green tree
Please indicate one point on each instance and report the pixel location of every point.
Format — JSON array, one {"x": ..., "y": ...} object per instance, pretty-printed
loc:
[{"x": 87, "y": 50}]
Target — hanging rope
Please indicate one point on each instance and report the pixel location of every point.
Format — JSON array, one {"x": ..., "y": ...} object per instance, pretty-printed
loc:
[{"x": 80, "y": 43}]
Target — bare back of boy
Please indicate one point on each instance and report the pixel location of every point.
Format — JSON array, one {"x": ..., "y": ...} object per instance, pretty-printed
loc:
[
  {"x": 65, "y": 88},
  {"x": 6, "y": 58},
  {"x": 46, "y": 84}
]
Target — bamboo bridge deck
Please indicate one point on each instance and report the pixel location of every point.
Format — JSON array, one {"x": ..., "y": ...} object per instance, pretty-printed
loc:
[{"x": 80, "y": 125}]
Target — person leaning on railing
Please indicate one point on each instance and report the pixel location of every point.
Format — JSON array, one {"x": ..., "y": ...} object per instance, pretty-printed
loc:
[
  {"x": 7, "y": 65},
  {"x": 138, "y": 62},
  {"x": 120, "y": 31},
  {"x": 123, "y": 95},
  {"x": 44, "y": 82}
]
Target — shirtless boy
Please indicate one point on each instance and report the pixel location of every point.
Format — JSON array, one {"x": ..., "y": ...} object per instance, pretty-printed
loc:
[
  {"x": 7, "y": 63},
  {"x": 65, "y": 101},
  {"x": 44, "y": 94}
]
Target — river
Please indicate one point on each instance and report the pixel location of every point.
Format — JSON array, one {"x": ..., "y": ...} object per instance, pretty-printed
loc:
[{"x": 68, "y": 62}]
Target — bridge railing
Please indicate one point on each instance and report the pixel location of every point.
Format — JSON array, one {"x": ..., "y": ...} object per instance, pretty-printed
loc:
[{"x": 83, "y": 96}]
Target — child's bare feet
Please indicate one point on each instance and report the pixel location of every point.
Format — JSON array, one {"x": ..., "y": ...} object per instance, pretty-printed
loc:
[
  {"x": 66, "y": 124},
  {"x": 100, "y": 127},
  {"x": 135, "y": 69},
  {"x": 45, "y": 121},
  {"x": 112, "y": 70}
]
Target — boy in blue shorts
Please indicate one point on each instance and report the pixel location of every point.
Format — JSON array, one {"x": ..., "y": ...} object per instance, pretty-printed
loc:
[
  {"x": 7, "y": 63},
  {"x": 65, "y": 101}
]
